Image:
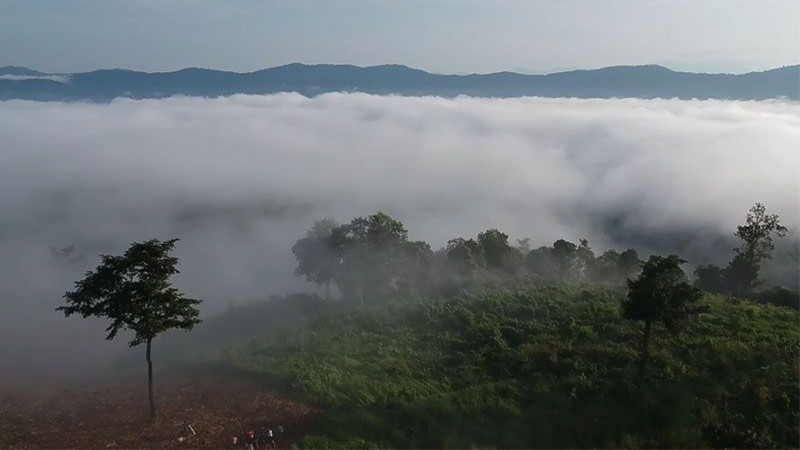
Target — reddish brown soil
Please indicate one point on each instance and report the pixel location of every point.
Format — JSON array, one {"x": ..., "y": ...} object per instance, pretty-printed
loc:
[{"x": 112, "y": 414}]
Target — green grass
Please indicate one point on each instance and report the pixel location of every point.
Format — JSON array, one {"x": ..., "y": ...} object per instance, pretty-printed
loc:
[{"x": 540, "y": 367}]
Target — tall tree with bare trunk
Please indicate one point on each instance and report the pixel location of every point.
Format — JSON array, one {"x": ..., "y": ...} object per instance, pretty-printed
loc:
[{"x": 133, "y": 290}]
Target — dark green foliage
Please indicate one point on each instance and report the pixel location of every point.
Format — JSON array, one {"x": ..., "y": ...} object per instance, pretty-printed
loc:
[
  {"x": 566, "y": 261},
  {"x": 240, "y": 323},
  {"x": 605, "y": 269},
  {"x": 415, "y": 274},
  {"x": 542, "y": 263},
  {"x": 565, "y": 256},
  {"x": 317, "y": 257},
  {"x": 371, "y": 257},
  {"x": 756, "y": 233},
  {"x": 613, "y": 268},
  {"x": 540, "y": 366},
  {"x": 779, "y": 296},
  {"x": 660, "y": 294},
  {"x": 371, "y": 252},
  {"x": 742, "y": 275},
  {"x": 629, "y": 264},
  {"x": 133, "y": 290},
  {"x": 711, "y": 278},
  {"x": 464, "y": 257},
  {"x": 498, "y": 254}
]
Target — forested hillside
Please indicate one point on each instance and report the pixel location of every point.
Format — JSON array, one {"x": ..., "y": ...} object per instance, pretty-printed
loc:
[
  {"x": 539, "y": 366},
  {"x": 484, "y": 344}
]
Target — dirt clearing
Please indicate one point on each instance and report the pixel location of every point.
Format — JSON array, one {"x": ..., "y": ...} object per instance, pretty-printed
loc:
[{"x": 112, "y": 414}]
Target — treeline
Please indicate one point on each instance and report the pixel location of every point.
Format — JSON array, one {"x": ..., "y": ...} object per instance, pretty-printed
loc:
[{"x": 372, "y": 258}]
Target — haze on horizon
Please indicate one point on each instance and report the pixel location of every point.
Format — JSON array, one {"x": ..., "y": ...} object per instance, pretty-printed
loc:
[{"x": 445, "y": 36}]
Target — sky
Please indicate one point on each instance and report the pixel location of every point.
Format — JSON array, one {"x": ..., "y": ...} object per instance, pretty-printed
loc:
[{"x": 445, "y": 36}]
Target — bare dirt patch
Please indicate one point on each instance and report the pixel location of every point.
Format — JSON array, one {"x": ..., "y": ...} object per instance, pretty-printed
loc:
[{"x": 112, "y": 414}]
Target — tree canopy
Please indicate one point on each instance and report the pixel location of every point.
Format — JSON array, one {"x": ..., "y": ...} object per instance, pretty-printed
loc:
[
  {"x": 742, "y": 275},
  {"x": 134, "y": 292},
  {"x": 317, "y": 257},
  {"x": 660, "y": 293}
]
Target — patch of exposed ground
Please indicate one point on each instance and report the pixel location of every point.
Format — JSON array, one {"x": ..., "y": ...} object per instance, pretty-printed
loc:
[{"x": 113, "y": 414}]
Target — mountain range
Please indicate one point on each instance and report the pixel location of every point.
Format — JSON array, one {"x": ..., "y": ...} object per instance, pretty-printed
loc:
[{"x": 649, "y": 81}]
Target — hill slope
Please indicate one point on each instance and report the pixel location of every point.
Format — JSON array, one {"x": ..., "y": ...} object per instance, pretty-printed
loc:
[
  {"x": 620, "y": 81},
  {"x": 540, "y": 367}
]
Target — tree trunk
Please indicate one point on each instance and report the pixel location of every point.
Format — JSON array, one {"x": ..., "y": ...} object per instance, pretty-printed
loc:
[
  {"x": 150, "y": 382},
  {"x": 645, "y": 347}
]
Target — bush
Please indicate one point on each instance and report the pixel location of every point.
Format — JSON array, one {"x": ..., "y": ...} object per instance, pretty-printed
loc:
[{"x": 779, "y": 296}]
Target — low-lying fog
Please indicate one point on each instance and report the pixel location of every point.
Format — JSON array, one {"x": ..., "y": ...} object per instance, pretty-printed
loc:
[{"x": 239, "y": 179}]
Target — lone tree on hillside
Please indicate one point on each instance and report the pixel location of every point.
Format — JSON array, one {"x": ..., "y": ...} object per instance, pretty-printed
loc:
[
  {"x": 756, "y": 236},
  {"x": 742, "y": 276},
  {"x": 660, "y": 293},
  {"x": 133, "y": 290}
]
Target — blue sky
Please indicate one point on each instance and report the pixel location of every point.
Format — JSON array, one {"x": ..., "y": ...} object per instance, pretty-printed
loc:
[{"x": 450, "y": 36}]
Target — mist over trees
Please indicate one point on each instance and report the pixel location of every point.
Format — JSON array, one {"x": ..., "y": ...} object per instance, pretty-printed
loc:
[
  {"x": 316, "y": 255},
  {"x": 615, "y": 186},
  {"x": 373, "y": 258},
  {"x": 370, "y": 257},
  {"x": 482, "y": 331},
  {"x": 568, "y": 171},
  {"x": 477, "y": 342},
  {"x": 742, "y": 276}
]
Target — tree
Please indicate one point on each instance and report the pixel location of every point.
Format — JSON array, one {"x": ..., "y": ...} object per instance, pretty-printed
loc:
[
  {"x": 523, "y": 246},
  {"x": 370, "y": 250},
  {"x": 133, "y": 290},
  {"x": 629, "y": 264},
  {"x": 660, "y": 293},
  {"x": 614, "y": 268},
  {"x": 743, "y": 272},
  {"x": 605, "y": 268},
  {"x": 416, "y": 274},
  {"x": 565, "y": 254},
  {"x": 497, "y": 253},
  {"x": 317, "y": 257},
  {"x": 584, "y": 258},
  {"x": 540, "y": 261},
  {"x": 464, "y": 257},
  {"x": 711, "y": 278}
]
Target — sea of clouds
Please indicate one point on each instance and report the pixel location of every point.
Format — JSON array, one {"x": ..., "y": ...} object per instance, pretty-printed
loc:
[
  {"x": 239, "y": 179},
  {"x": 51, "y": 77}
]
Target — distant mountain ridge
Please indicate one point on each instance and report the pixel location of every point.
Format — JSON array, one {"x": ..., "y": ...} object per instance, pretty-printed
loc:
[
  {"x": 649, "y": 81},
  {"x": 19, "y": 71}
]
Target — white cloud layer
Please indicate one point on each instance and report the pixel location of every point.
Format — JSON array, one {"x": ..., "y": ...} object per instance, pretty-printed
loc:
[
  {"x": 238, "y": 179},
  {"x": 58, "y": 78}
]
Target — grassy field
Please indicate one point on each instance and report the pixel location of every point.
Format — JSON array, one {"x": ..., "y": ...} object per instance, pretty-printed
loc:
[{"x": 548, "y": 366}]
